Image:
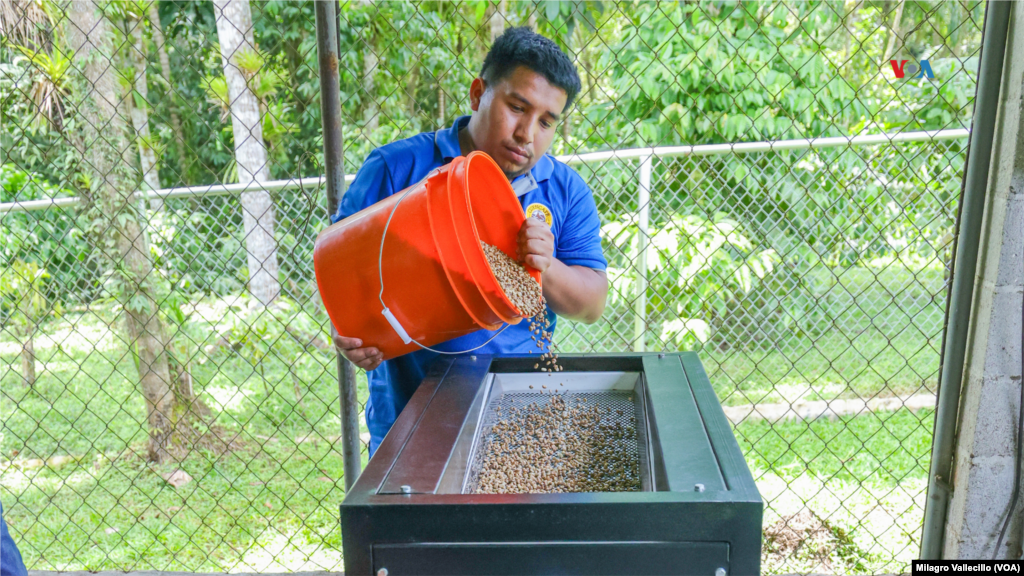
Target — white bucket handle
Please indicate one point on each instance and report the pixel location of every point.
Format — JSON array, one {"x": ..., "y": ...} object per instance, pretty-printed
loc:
[{"x": 395, "y": 324}]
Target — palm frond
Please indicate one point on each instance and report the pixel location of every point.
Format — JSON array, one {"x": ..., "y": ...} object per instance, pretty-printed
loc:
[{"x": 25, "y": 22}]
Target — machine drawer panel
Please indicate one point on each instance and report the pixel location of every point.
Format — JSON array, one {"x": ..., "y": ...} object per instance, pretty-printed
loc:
[{"x": 499, "y": 558}]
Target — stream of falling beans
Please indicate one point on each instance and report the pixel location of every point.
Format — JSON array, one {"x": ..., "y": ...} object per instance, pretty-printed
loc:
[
  {"x": 554, "y": 447},
  {"x": 528, "y": 297}
]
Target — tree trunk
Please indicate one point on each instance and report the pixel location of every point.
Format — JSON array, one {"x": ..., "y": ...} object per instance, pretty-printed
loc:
[
  {"x": 106, "y": 151},
  {"x": 586, "y": 57},
  {"x": 412, "y": 81},
  {"x": 182, "y": 380},
  {"x": 498, "y": 20},
  {"x": 440, "y": 107},
  {"x": 894, "y": 35},
  {"x": 165, "y": 71},
  {"x": 139, "y": 111},
  {"x": 28, "y": 361},
  {"x": 146, "y": 333},
  {"x": 234, "y": 29},
  {"x": 954, "y": 27},
  {"x": 371, "y": 112},
  {"x": 849, "y": 29},
  {"x": 181, "y": 376}
]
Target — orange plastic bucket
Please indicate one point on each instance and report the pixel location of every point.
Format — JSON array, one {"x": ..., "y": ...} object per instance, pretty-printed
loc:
[{"x": 437, "y": 283}]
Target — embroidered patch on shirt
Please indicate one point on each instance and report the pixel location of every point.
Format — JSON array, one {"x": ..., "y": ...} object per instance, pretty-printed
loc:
[{"x": 540, "y": 211}]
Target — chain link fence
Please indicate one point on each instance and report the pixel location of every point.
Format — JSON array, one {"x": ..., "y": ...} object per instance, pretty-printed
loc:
[{"x": 774, "y": 193}]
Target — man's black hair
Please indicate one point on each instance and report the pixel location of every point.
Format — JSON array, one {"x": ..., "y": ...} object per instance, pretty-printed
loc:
[{"x": 524, "y": 47}]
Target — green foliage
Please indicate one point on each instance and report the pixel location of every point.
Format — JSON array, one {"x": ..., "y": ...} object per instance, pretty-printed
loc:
[
  {"x": 653, "y": 74},
  {"x": 709, "y": 72},
  {"x": 249, "y": 62},
  {"x": 49, "y": 84},
  {"x": 28, "y": 140},
  {"x": 697, "y": 269},
  {"x": 216, "y": 88},
  {"x": 24, "y": 303},
  {"x": 53, "y": 238},
  {"x": 698, "y": 79}
]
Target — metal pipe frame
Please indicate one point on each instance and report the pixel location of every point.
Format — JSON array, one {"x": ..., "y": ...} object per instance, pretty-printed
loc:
[
  {"x": 963, "y": 267},
  {"x": 590, "y": 157},
  {"x": 326, "y": 12}
]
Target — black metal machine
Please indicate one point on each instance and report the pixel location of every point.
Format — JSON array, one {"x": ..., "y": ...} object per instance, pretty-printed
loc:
[{"x": 696, "y": 510}]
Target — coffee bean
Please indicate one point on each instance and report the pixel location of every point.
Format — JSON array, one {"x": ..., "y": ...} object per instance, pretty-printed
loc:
[
  {"x": 526, "y": 295},
  {"x": 555, "y": 446}
]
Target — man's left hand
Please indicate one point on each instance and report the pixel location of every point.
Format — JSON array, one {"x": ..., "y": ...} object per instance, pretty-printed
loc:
[{"x": 536, "y": 244}]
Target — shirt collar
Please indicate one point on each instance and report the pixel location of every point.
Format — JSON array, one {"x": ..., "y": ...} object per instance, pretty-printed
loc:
[{"x": 446, "y": 142}]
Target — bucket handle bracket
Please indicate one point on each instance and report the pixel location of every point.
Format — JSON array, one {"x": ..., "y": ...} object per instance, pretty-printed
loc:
[{"x": 397, "y": 326}]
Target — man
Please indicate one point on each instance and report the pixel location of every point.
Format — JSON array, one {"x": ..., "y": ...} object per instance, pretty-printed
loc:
[
  {"x": 11, "y": 563},
  {"x": 525, "y": 86}
]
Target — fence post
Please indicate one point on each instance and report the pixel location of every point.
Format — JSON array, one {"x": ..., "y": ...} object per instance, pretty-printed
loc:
[
  {"x": 643, "y": 204},
  {"x": 964, "y": 272},
  {"x": 326, "y": 12}
]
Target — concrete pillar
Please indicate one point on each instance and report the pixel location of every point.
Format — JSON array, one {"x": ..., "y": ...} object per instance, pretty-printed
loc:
[{"x": 984, "y": 457}]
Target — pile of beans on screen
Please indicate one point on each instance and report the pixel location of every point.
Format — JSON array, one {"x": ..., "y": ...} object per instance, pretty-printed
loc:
[
  {"x": 559, "y": 446},
  {"x": 526, "y": 294}
]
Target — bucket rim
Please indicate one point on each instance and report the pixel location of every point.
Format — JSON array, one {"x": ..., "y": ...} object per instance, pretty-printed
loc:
[
  {"x": 461, "y": 172},
  {"x": 441, "y": 194}
]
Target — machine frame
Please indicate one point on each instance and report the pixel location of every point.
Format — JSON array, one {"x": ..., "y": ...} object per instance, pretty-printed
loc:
[{"x": 701, "y": 516}]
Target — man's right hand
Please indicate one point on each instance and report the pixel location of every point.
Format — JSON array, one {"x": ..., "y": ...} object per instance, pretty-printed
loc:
[{"x": 365, "y": 358}]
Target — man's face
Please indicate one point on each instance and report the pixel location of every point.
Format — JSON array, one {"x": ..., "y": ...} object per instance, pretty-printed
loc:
[{"x": 514, "y": 121}]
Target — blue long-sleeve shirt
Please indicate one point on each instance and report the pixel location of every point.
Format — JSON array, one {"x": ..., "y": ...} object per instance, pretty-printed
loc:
[{"x": 11, "y": 563}]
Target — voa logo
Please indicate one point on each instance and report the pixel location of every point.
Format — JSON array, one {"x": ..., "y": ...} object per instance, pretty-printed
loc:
[{"x": 905, "y": 68}]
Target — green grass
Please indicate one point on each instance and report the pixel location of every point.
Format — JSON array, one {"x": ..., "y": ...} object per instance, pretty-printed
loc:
[
  {"x": 272, "y": 507},
  {"x": 883, "y": 339},
  {"x": 878, "y": 448},
  {"x": 271, "y": 504},
  {"x": 866, "y": 475}
]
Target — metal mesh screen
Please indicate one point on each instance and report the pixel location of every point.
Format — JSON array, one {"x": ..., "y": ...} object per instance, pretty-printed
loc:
[
  {"x": 777, "y": 184},
  {"x": 612, "y": 435}
]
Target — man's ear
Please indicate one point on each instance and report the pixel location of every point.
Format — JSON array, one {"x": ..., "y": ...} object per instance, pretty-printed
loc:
[{"x": 476, "y": 93}]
